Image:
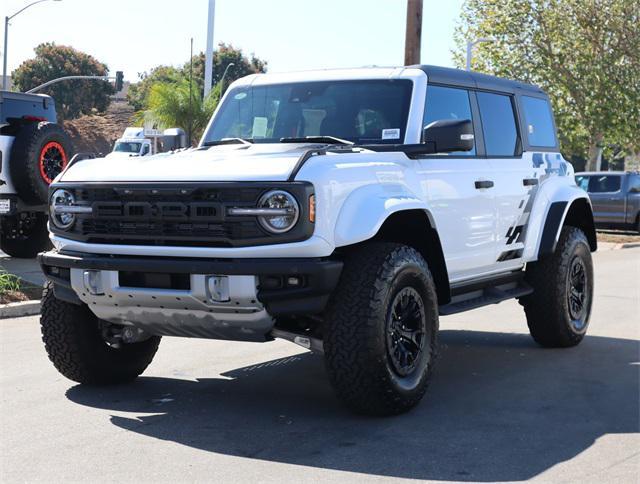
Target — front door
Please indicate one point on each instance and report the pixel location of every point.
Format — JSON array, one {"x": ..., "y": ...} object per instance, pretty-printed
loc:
[{"x": 460, "y": 190}]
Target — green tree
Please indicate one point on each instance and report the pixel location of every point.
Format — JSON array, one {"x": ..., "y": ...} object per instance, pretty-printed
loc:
[
  {"x": 584, "y": 53},
  {"x": 222, "y": 57},
  {"x": 73, "y": 98},
  {"x": 169, "y": 106},
  {"x": 138, "y": 93}
]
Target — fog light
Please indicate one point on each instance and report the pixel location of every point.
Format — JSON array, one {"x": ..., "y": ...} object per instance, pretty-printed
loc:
[
  {"x": 218, "y": 288},
  {"x": 294, "y": 281},
  {"x": 92, "y": 282}
]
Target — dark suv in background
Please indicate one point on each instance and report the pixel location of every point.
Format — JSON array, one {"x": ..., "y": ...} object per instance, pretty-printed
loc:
[{"x": 615, "y": 196}]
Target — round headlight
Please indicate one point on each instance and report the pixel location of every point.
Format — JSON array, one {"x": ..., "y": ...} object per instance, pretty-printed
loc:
[
  {"x": 287, "y": 204},
  {"x": 60, "y": 199}
]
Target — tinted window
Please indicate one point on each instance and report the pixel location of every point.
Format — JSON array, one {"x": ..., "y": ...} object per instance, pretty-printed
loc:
[
  {"x": 634, "y": 184},
  {"x": 447, "y": 103},
  {"x": 604, "y": 183},
  {"x": 373, "y": 111},
  {"x": 537, "y": 113},
  {"x": 498, "y": 124},
  {"x": 583, "y": 182}
]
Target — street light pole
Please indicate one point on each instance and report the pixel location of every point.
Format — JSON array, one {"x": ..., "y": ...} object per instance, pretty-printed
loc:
[
  {"x": 208, "y": 59},
  {"x": 6, "y": 39},
  {"x": 471, "y": 45},
  {"x": 223, "y": 76}
]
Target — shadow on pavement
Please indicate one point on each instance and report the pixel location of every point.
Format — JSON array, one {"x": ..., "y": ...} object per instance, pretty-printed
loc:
[{"x": 499, "y": 409}]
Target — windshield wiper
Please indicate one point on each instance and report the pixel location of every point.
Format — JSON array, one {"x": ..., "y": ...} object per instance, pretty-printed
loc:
[
  {"x": 316, "y": 139},
  {"x": 228, "y": 141}
]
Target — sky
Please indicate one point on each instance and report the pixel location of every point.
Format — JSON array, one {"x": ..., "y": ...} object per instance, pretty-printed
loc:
[{"x": 136, "y": 35}]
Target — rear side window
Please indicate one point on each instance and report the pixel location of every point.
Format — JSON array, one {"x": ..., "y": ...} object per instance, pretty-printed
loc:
[
  {"x": 447, "y": 103},
  {"x": 634, "y": 184},
  {"x": 498, "y": 124},
  {"x": 537, "y": 113},
  {"x": 604, "y": 183}
]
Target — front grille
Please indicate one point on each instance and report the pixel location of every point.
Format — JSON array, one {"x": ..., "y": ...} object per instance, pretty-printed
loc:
[{"x": 144, "y": 214}]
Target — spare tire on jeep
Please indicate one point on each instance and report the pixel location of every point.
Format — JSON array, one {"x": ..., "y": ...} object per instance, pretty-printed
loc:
[{"x": 39, "y": 153}]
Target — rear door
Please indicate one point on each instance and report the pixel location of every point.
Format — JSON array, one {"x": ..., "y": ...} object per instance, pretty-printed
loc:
[
  {"x": 460, "y": 191},
  {"x": 503, "y": 148},
  {"x": 607, "y": 198}
]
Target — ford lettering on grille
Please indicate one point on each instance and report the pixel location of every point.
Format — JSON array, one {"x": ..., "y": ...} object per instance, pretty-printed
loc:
[{"x": 176, "y": 211}]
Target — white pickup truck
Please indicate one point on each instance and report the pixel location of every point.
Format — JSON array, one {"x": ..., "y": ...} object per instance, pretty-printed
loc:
[
  {"x": 343, "y": 210},
  {"x": 137, "y": 141}
]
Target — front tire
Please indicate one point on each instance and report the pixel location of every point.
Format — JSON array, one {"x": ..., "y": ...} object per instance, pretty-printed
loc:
[
  {"x": 558, "y": 311},
  {"x": 73, "y": 339},
  {"x": 380, "y": 337}
]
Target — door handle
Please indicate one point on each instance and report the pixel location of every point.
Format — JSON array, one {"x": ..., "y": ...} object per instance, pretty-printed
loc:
[
  {"x": 529, "y": 182},
  {"x": 480, "y": 184}
]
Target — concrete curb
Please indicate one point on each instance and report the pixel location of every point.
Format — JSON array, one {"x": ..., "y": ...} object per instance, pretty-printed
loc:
[
  {"x": 627, "y": 245},
  {"x": 19, "y": 309},
  {"x": 617, "y": 245}
]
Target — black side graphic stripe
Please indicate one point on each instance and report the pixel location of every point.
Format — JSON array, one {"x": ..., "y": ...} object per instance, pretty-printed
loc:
[{"x": 551, "y": 226}]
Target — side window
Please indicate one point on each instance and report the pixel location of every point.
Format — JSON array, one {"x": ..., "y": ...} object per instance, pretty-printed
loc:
[
  {"x": 498, "y": 124},
  {"x": 583, "y": 182},
  {"x": 537, "y": 113},
  {"x": 604, "y": 184},
  {"x": 634, "y": 184},
  {"x": 447, "y": 103}
]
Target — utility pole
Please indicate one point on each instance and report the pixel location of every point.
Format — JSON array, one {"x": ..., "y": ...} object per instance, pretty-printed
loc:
[
  {"x": 413, "y": 34},
  {"x": 208, "y": 63}
]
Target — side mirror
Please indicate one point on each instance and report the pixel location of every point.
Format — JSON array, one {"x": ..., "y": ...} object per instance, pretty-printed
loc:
[{"x": 447, "y": 135}]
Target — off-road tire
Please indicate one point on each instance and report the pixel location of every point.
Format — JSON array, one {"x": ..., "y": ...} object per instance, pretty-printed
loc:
[
  {"x": 72, "y": 338},
  {"x": 357, "y": 357},
  {"x": 549, "y": 317},
  {"x": 28, "y": 244},
  {"x": 30, "y": 173}
]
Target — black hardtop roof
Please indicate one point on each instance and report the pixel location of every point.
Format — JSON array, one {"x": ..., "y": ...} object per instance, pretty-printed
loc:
[{"x": 458, "y": 77}]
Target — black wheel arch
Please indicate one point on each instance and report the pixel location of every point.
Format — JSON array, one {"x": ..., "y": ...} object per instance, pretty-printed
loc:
[
  {"x": 577, "y": 213},
  {"x": 415, "y": 228}
]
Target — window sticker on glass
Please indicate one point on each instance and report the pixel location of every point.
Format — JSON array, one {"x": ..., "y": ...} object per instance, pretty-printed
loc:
[
  {"x": 259, "y": 127},
  {"x": 240, "y": 95},
  {"x": 391, "y": 133}
]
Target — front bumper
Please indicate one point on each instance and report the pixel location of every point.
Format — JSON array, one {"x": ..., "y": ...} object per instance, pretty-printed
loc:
[{"x": 173, "y": 296}]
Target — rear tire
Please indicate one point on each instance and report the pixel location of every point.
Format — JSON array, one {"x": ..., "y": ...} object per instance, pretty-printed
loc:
[
  {"x": 558, "y": 310},
  {"x": 74, "y": 343},
  {"x": 380, "y": 339},
  {"x": 39, "y": 153},
  {"x": 24, "y": 239}
]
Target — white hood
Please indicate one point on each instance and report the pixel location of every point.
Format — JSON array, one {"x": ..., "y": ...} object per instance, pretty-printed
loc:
[{"x": 258, "y": 162}]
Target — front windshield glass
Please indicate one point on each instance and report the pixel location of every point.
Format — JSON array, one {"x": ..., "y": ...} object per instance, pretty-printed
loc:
[
  {"x": 127, "y": 147},
  {"x": 364, "y": 112}
]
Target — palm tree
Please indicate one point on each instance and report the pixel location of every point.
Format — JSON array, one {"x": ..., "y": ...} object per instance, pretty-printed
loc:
[{"x": 169, "y": 106}]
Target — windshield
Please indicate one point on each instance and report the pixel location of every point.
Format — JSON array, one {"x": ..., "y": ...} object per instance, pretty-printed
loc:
[
  {"x": 364, "y": 112},
  {"x": 127, "y": 147}
]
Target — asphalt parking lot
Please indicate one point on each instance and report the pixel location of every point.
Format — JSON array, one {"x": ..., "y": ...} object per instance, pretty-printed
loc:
[{"x": 499, "y": 408}]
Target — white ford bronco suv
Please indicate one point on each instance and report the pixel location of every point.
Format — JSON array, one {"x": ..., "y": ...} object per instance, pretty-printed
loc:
[{"x": 343, "y": 210}]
